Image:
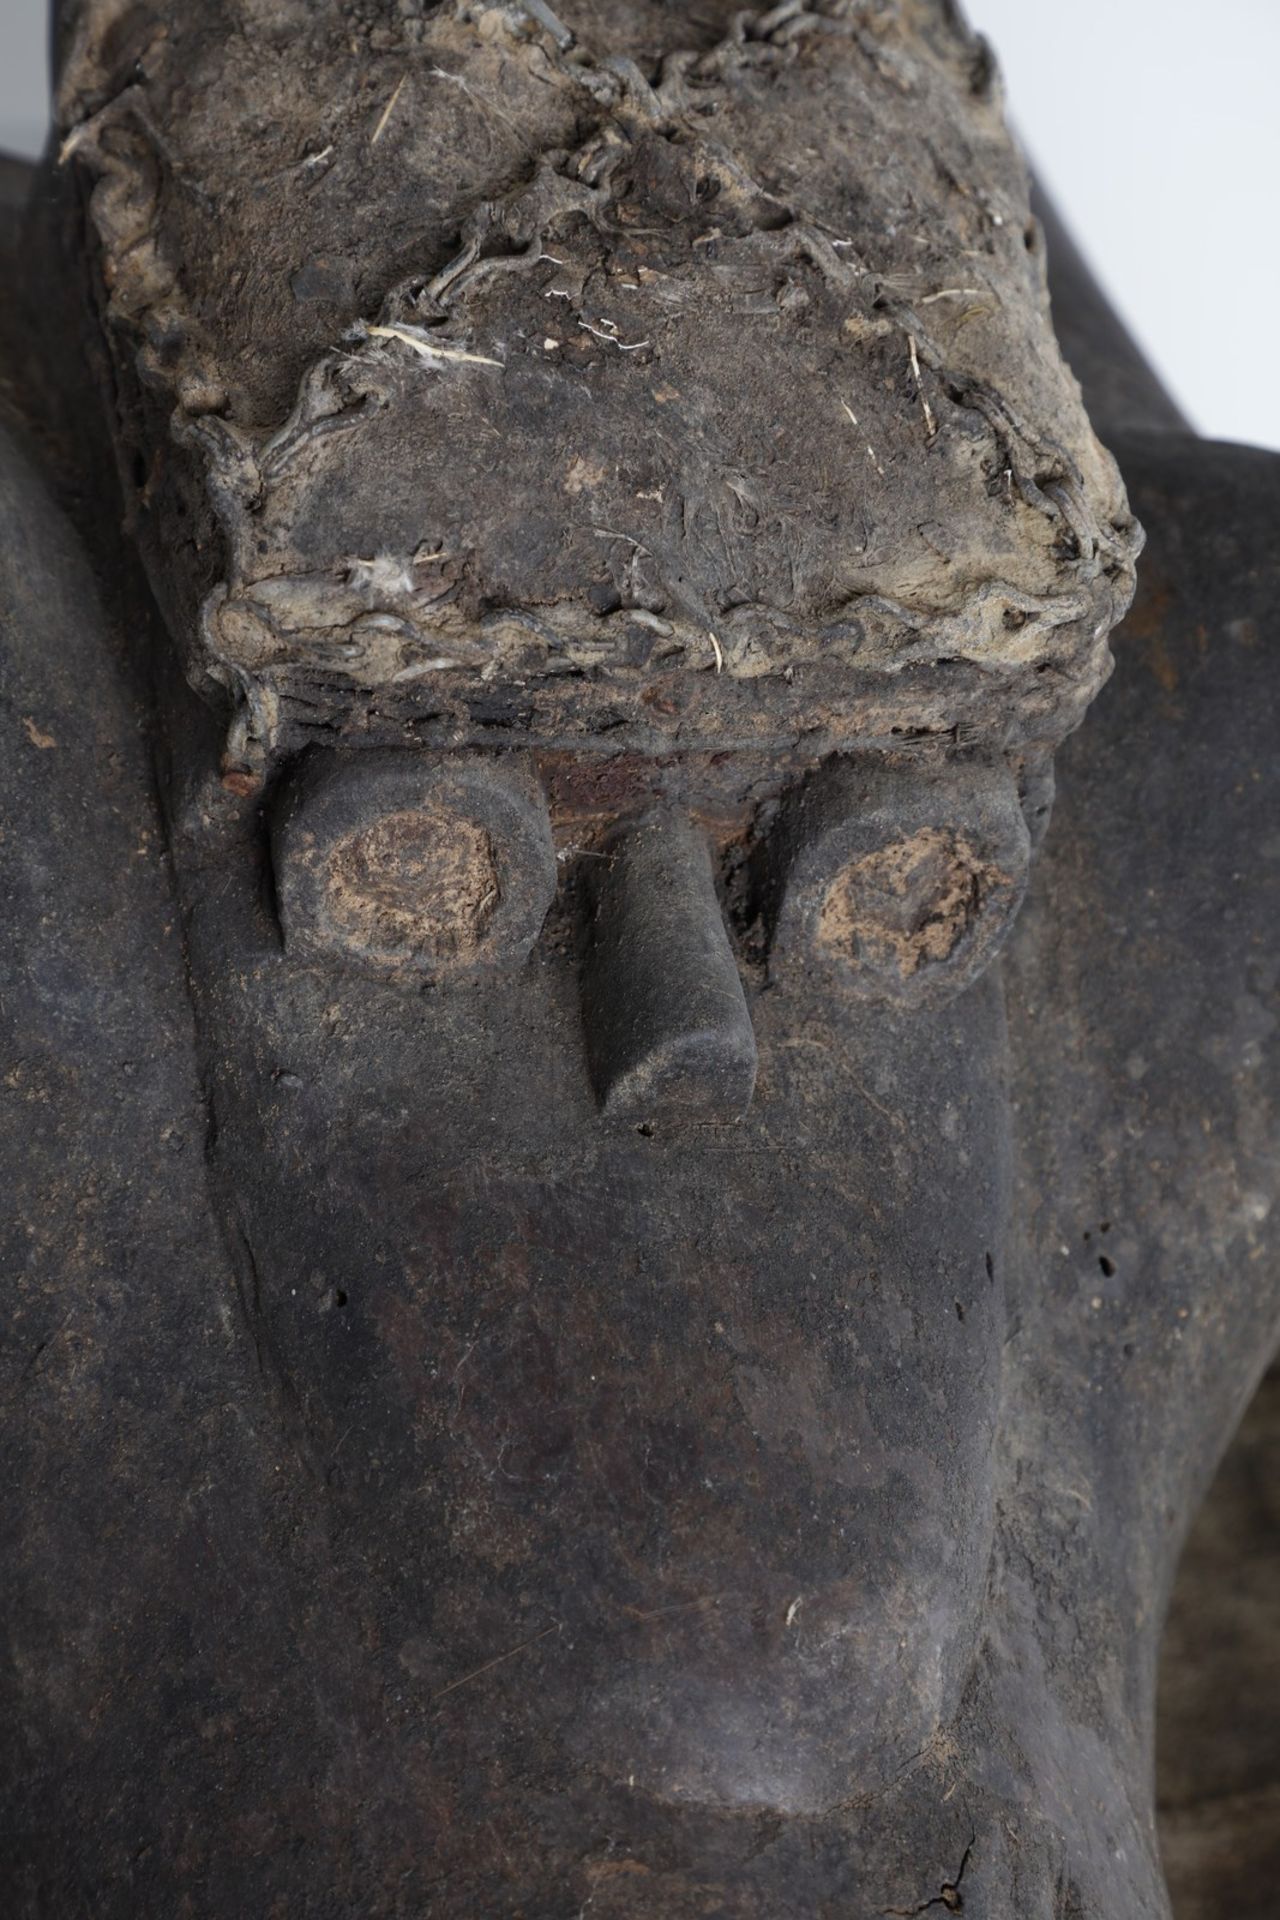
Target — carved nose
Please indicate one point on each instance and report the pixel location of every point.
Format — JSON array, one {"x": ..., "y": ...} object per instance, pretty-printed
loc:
[{"x": 669, "y": 1036}]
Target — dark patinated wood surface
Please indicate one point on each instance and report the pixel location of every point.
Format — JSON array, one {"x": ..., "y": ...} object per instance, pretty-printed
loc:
[
  {"x": 419, "y": 1499},
  {"x": 1219, "y": 1707}
]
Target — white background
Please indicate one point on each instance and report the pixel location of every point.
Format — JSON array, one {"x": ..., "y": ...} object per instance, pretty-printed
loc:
[{"x": 1156, "y": 127}]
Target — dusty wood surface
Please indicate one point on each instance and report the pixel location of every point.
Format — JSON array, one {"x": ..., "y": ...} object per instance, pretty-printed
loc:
[{"x": 422, "y": 1500}]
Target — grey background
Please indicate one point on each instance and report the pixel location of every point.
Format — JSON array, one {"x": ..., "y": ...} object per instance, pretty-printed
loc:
[{"x": 1155, "y": 125}]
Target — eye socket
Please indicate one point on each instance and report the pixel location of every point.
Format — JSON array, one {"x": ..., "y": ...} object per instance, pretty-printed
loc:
[
  {"x": 906, "y": 906},
  {"x": 900, "y": 882},
  {"x": 404, "y": 863},
  {"x": 420, "y": 881}
]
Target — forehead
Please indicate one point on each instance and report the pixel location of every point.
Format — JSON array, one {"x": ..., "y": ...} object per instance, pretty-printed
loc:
[{"x": 688, "y": 385}]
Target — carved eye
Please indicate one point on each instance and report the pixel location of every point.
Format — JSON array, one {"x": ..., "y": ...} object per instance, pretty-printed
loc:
[
  {"x": 901, "y": 882},
  {"x": 400, "y": 863}
]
